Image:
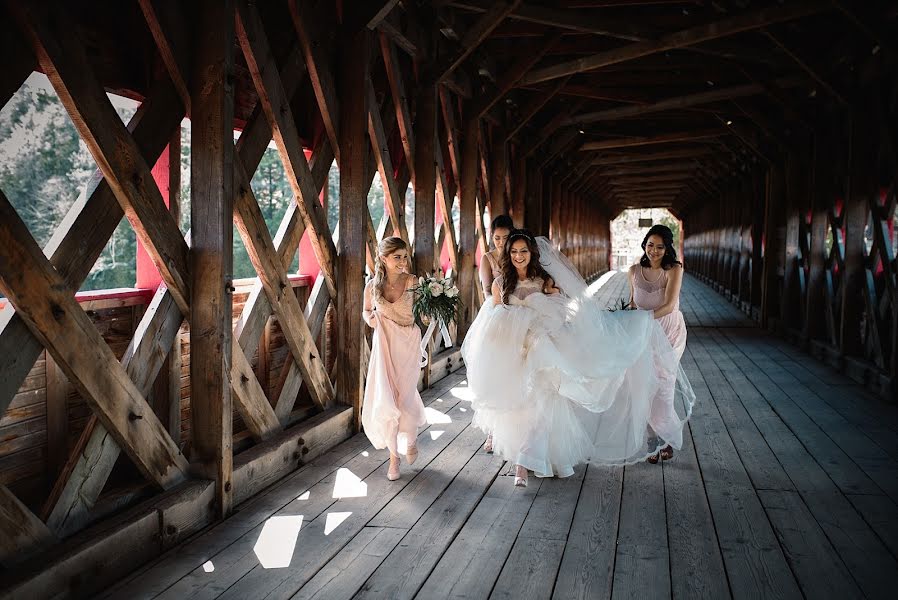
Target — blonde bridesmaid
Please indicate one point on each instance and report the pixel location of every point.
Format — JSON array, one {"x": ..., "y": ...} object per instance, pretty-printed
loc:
[
  {"x": 655, "y": 285},
  {"x": 392, "y": 411}
]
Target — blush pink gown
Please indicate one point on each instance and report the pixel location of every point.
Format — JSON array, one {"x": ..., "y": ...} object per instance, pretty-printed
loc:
[
  {"x": 649, "y": 295},
  {"x": 393, "y": 411}
]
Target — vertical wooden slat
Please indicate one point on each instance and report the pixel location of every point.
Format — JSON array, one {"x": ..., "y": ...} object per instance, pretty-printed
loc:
[
  {"x": 498, "y": 204},
  {"x": 467, "y": 243},
  {"x": 425, "y": 178},
  {"x": 815, "y": 320},
  {"x": 173, "y": 362},
  {"x": 861, "y": 188},
  {"x": 772, "y": 218},
  {"x": 354, "y": 216},
  {"x": 211, "y": 207}
]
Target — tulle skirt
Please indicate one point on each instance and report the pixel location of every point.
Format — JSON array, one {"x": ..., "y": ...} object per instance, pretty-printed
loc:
[
  {"x": 393, "y": 411},
  {"x": 562, "y": 382}
]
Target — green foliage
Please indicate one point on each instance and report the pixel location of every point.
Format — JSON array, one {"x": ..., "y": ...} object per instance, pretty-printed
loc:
[{"x": 44, "y": 167}]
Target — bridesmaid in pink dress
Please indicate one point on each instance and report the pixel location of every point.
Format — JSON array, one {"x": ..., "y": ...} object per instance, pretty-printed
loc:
[
  {"x": 655, "y": 285},
  {"x": 392, "y": 411},
  {"x": 490, "y": 270}
]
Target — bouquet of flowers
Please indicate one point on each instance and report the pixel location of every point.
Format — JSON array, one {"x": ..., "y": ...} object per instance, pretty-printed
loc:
[{"x": 436, "y": 300}]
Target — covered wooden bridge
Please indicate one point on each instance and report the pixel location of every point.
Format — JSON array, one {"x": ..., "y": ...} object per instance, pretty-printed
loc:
[{"x": 197, "y": 435}]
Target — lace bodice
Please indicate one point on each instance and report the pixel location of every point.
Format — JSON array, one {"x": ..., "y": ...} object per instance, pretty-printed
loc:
[
  {"x": 400, "y": 312},
  {"x": 649, "y": 295},
  {"x": 525, "y": 288}
]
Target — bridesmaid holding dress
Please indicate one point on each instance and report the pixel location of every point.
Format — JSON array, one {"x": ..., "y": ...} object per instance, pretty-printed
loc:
[
  {"x": 655, "y": 285},
  {"x": 392, "y": 411}
]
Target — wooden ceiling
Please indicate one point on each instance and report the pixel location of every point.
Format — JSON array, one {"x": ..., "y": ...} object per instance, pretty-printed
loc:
[
  {"x": 663, "y": 102},
  {"x": 635, "y": 102}
]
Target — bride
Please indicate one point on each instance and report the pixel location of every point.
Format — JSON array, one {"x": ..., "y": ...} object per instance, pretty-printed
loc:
[{"x": 560, "y": 381}]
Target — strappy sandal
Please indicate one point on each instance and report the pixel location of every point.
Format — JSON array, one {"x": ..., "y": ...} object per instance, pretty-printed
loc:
[
  {"x": 653, "y": 459},
  {"x": 411, "y": 454},
  {"x": 667, "y": 453},
  {"x": 520, "y": 480},
  {"x": 393, "y": 471},
  {"x": 488, "y": 444}
]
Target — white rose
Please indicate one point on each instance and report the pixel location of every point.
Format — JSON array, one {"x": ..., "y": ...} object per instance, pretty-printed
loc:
[
  {"x": 420, "y": 280},
  {"x": 452, "y": 292},
  {"x": 436, "y": 289}
]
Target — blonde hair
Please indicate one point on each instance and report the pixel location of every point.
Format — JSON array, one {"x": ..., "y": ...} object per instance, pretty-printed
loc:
[{"x": 386, "y": 247}]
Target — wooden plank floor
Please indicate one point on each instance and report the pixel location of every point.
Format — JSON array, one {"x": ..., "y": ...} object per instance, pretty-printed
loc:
[{"x": 786, "y": 488}]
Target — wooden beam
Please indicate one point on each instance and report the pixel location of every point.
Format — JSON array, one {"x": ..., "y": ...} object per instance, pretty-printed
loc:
[
  {"x": 814, "y": 72},
  {"x": 570, "y": 20},
  {"x": 467, "y": 244},
  {"x": 311, "y": 21},
  {"x": 550, "y": 129},
  {"x": 473, "y": 36},
  {"x": 652, "y": 156},
  {"x": 22, "y": 534},
  {"x": 211, "y": 212},
  {"x": 534, "y": 105},
  {"x": 680, "y": 39},
  {"x": 665, "y": 138},
  {"x": 381, "y": 152},
  {"x": 48, "y": 307},
  {"x": 526, "y": 60},
  {"x": 679, "y": 102},
  {"x": 276, "y": 106},
  {"x": 381, "y": 13},
  {"x": 400, "y": 101},
  {"x": 354, "y": 184},
  {"x": 391, "y": 28},
  {"x": 425, "y": 178}
]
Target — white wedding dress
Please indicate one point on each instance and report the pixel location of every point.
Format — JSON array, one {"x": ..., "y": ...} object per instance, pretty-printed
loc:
[{"x": 561, "y": 381}]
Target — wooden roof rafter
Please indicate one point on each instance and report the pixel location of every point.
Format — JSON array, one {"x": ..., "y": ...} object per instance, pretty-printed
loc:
[{"x": 687, "y": 37}]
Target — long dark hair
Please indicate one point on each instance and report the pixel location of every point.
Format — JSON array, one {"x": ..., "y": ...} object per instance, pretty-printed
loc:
[
  {"x": 510, "y": 273},
  {"x": 502, "y": 222},
  {"x": 670, "y": 255}
]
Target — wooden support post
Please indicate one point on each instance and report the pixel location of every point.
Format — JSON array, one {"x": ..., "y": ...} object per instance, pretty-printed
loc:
[
  {"x": 519, "y": 190},
  {"x": 211, "y": 211},
  {"x": 425, "y": 178},
  {"x": 467, "y": 205},
  {"x": 354, "y": 182},
  {"x": 499, "y": 170},
  {"x": 773, "y": 219},
  {"x": 791, "y": 301},
  {"x": 823, "y": 191},
  {"x": 861, "y": 188},
  {"x": 757, "y": 236}
]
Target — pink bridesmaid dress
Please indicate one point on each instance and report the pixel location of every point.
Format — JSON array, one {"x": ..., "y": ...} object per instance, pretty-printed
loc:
[
  {"x": 393, "y": 411},
  {"x": 649, "y": 295}
]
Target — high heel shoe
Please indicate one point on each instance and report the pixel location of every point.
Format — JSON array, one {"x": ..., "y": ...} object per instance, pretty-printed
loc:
[
  {"x": 411, "y": 454},
  {"x": 393, "y": 471},
  {"x": 520, "y": 477},
  {"x": 488, "y": 444}
]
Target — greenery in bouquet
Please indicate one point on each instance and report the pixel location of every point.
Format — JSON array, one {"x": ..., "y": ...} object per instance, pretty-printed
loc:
[{"x": 435, "y": 298}]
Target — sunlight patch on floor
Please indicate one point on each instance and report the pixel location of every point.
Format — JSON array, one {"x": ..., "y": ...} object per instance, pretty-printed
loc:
[
  {"x": 208, "y": 567},
  {"x": 462, "y": 393},
  {"x": 333, "y": 521},
  {"x": 435, "y": 417},
  {"x": 435, "y": 434},
  {"x": 348, "y": 485},
  {"x": 276, "y": 543},
  {"x": 305, "y": 496}
]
